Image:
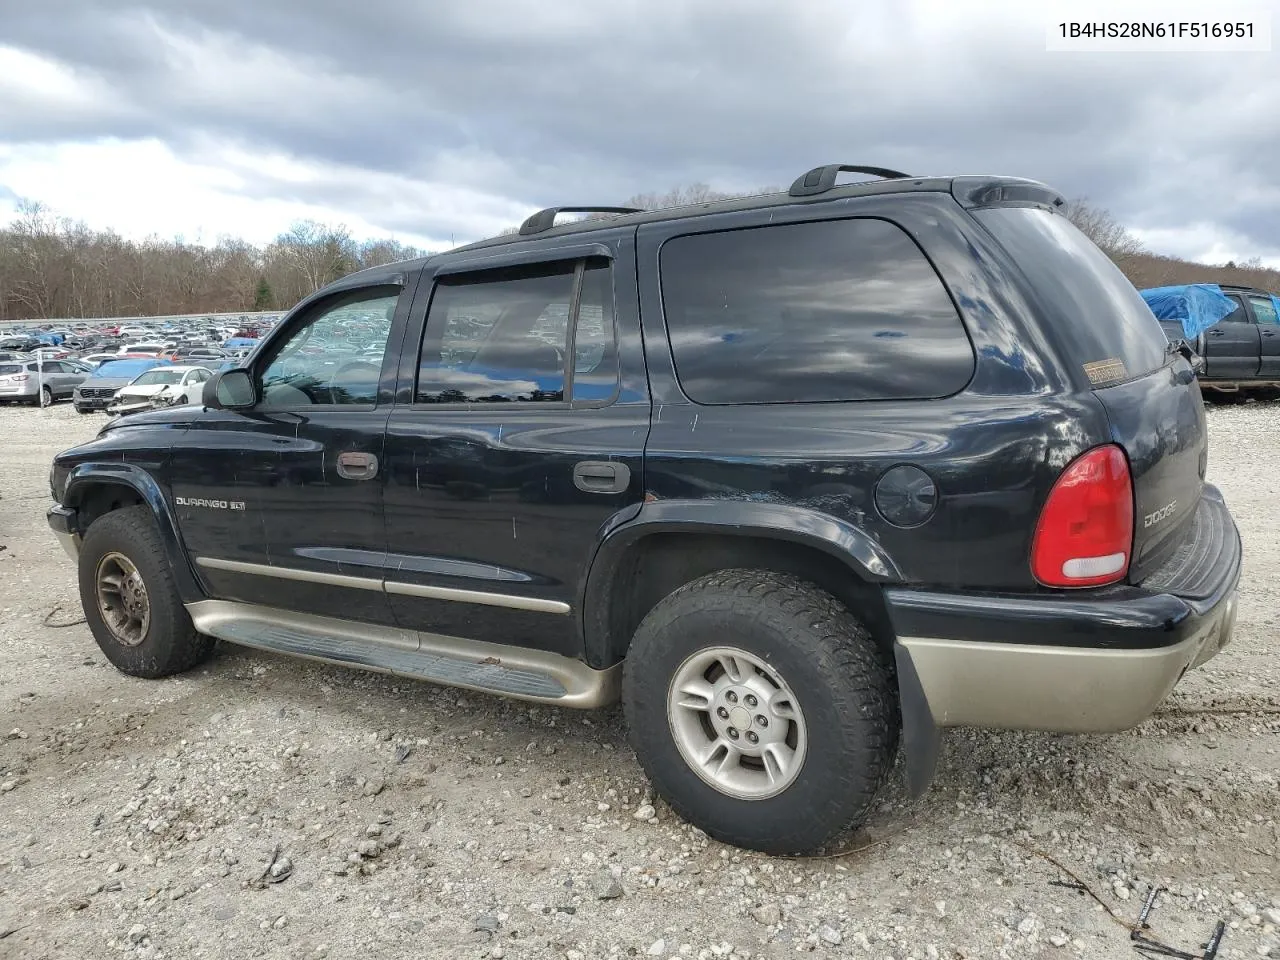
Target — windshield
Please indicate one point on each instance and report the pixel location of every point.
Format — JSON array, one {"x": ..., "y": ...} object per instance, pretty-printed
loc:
[
  {"x": 10, "y": 368},
  {"x": 124, "y": 368},
  {"x": 1098, "y": 315},
  {"x": 152, "y": 377}
]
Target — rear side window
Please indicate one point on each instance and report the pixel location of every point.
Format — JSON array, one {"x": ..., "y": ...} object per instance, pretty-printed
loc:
[
  {"x": 1098, "y": 316},
  {"x": 503, "y": 336},
  {"x": 1264, "y": 310},
  {"x": 1237, "y": 315},
  {"x": 833, "y": 310}
]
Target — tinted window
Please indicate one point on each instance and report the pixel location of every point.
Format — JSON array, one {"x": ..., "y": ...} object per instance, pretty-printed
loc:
[
  {"x": 595, "y": 349},
  {"x": 1264, "y": 310},
  {"x": 335, "y": 356},
  {"x": 1237, "y": 315},
  {"x": 836, "y": 310},
  {"x": 497, "y": 337},
  {"x": 1099, "y": 318},
  {"x": 7, "y": 368}
]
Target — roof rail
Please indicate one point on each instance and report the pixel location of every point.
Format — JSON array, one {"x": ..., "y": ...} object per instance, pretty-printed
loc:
[
  {"x": 544, "y": 220},
  {"x": 821, "y": 179}
]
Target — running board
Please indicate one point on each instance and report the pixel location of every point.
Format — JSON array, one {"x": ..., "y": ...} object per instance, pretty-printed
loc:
[{"x": 489, "y": 667}]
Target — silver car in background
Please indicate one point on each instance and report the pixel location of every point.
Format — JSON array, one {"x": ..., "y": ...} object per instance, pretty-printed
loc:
[{"x": 41, "y": 381}]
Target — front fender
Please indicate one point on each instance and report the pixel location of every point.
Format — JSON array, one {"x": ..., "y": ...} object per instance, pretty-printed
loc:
[{"x": 86, "y": 477}]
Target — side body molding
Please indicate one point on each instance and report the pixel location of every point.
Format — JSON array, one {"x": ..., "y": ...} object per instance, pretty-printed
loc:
[{"x": 85, "y": 476}]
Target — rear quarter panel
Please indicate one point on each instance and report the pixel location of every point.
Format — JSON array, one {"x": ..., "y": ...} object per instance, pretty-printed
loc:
[{"x": 993, "y": 450}]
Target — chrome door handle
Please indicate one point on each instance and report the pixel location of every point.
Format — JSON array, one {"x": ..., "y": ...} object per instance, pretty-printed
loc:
[{"x": 354, "y": 465}]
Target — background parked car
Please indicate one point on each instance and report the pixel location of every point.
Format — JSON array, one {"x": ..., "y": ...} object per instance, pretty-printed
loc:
[
  {"x": 1235, "y": 329},
  {"x": 154, "y": 348},
  {"x": 99, "y": 389},
  {"x": 160, "y": 387},
  {"x": 41, "y": 381},
  {"x": 22, "y": 344},
  {"x": 193, "y": 353}
]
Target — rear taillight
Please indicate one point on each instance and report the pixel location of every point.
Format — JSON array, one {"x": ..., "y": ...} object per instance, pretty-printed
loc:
[
  {"x": 1085, "y": 534},
  {"x": 21, "y": 377}
]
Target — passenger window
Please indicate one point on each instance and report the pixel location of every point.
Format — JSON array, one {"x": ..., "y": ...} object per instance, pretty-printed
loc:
[
  {"x": 1237, "y": 315},
  {"x": 499, "y": 336},
  {"x": 1264, "y": 310},
  {"x": 832, "y": 310},
  {"x": 595, "y": 348},
  {"x": 333, "y": 358}
]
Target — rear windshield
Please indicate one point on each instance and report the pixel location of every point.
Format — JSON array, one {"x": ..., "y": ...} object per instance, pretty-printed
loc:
[
  {"x": 1101, "y": 320},
  {"x": 10, "y": 368}
]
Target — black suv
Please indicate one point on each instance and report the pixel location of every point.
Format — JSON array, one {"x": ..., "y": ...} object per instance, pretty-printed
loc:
[{"x": 796, "y": 475}]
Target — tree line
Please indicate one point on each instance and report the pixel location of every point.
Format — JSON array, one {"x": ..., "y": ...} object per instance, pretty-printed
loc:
[{"x": 51, "y": 266}]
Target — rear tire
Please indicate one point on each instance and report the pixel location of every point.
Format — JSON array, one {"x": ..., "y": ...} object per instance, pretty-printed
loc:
[
  {"x": 46, "y": 397},
  {"x": 804, "y": 665},
  {"x": 131, "y": 602}
]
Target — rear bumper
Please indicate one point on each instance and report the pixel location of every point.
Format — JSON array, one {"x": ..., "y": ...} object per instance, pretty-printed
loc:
[{"x": 1095, "y": 661}]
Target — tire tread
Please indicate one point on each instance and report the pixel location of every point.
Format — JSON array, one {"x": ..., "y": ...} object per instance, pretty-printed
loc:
[{"x": 862, "y": 691}]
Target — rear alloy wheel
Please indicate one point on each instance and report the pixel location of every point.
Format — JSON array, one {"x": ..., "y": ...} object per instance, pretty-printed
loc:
[
  {"x": 737, "y": 723},
  {"x": 46, "y": 397},
  {"x": 761, "y": 709}
]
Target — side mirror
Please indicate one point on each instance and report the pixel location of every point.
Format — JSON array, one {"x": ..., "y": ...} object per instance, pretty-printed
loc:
[{"x": 229, "y": 390}]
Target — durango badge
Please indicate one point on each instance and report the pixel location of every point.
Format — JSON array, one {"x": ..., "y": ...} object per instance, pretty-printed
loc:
[{"x": 211, "y": 504}]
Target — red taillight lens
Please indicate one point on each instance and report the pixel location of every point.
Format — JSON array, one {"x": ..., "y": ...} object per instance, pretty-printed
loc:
[
  {"x": 21, "y": 377},
  {"x": 1085, "y": 534}
]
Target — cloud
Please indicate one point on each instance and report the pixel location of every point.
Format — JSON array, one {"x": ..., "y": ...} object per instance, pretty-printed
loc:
[{"x": 446, "y": 120}]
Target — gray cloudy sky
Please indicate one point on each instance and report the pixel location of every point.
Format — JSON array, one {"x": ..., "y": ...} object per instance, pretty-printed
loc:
[{"x": 449, "y": 120}]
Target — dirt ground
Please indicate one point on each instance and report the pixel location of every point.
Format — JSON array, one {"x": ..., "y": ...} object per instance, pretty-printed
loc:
[{"x": 142, "y": 818}]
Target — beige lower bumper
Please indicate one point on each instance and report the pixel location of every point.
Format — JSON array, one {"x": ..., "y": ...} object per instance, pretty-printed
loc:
[
  {"x": 1063, "y": 689},
  {"x": 70, "y": 543}
]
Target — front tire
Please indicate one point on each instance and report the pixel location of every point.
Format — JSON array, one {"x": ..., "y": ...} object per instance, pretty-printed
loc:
[
  {"x": 761, "y": 709},
  {"x": 131, "y": 602}
]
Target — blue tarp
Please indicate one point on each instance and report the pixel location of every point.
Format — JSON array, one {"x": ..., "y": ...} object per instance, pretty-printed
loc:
[{"x": 1197, "y": 306}]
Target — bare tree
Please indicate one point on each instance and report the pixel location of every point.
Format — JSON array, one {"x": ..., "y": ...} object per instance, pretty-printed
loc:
[{"x": 1103, "y": 229}]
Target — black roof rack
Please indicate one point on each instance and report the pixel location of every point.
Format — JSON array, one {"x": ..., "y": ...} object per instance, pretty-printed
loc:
[
  {"x": 821, "y": 179},
  {"x": 544, "y": 220}
]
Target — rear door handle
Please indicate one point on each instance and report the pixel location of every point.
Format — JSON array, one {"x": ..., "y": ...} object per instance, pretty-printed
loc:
[
  {"x": 601, "y": 476},
  {"x": 354, "y": 465}
]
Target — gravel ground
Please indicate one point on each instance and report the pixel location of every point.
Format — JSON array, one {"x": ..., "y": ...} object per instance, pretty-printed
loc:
[{"x": 265, "y": 807}]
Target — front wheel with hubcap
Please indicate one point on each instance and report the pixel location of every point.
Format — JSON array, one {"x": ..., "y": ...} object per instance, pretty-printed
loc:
[
  {"x": 761, "y": 709},
  {"x": 131, "y": 601}
]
